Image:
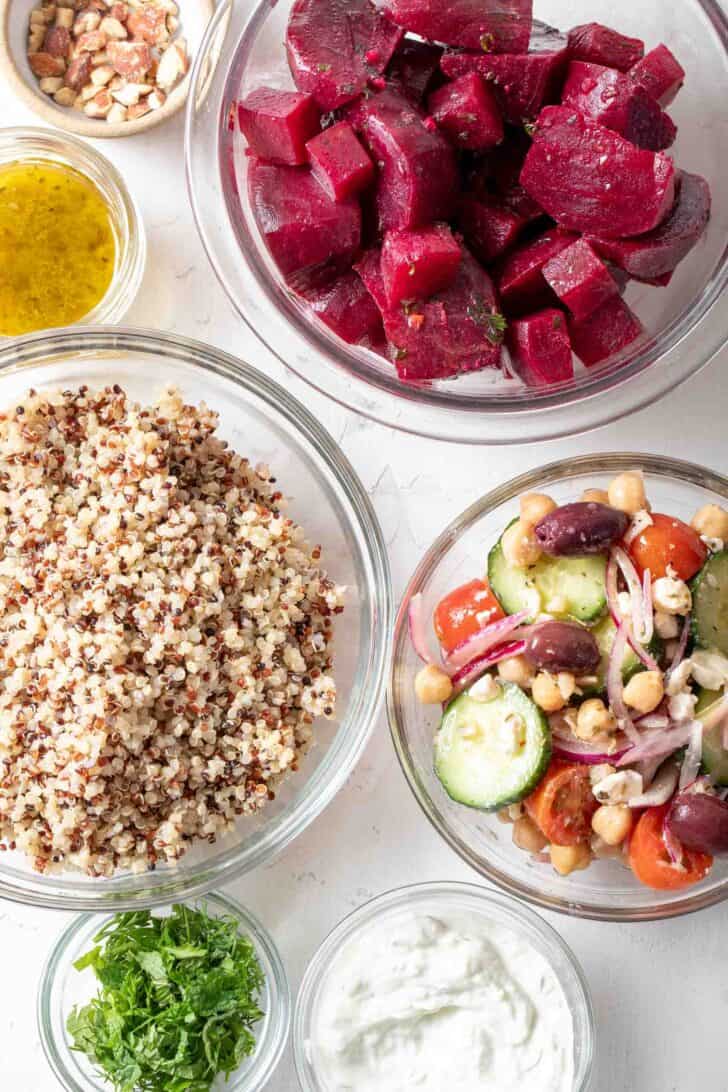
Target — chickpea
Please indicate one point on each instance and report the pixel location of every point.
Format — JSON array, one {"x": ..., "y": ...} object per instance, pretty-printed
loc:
[
  {"x": 566, "y": 684},
  {"x": 547, "y": 694},
  {"x": 432, "y": 685},
  {"x": 534, "y": 506},
  {"x": 627, "y": 492},
  {"x": 595, "y": 496},
  {"x": 527, "y": 836},
  {"x": 612, "y": 822},
  {"x": 517, "y": 669},
  {"x": 711, "y": 522},
  {"x": 520, "y": 545},
  {"x": 645, "y": 691},
  {"x": 568, "y": 859},
  {"x": 594, "y": 720}
]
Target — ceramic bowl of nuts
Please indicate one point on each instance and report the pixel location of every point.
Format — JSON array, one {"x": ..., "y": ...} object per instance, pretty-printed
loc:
[{"x": 100, "y": 68}]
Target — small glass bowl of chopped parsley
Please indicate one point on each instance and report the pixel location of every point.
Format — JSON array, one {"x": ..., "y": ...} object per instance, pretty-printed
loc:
[{"x": 190, "y": 998}]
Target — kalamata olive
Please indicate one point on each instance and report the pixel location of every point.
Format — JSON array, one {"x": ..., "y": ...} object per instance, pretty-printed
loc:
[
  {"x": 584, "y": 527},
  {"x": 562, "y": 646},
  {"x": 700, "y": 821}
]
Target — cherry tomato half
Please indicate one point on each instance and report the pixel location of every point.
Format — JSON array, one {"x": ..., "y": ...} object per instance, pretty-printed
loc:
[
  {"x": 668, "y": 541},
  {"x": 563, "y": 804},
  {"x": 464, "y": 612},
  {"x": 650, "y": 861}
]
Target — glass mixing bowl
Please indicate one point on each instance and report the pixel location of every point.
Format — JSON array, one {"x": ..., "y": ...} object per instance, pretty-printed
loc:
[
  {"x": 260, "y": 420},
  {"x": 62, "y": 986},
  {"x": 243, "y": 49},
  {"x": 434, "y": 899},
  {"x": 606, "y": 890}
]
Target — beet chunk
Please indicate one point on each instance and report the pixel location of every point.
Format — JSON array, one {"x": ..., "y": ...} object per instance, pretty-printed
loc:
[
  {"x": 335, "y": 46},
  {"x": 652, "y": 257},
  {"x": 499, "y": 25},
  {"x": 417, "y": 182},
  {"x": 339, "y": 162},
  {"x": 520, "y": 279},
  {"x": 417, "y": 264},
  {"x": 591, "y": 179},
  {"x": 302, "y": 226},
  {"x": 489, "y": 228},
  {"x": 605, "y": 332},
  {"x": 502, "y": 167},
  {"x": 369, "y": 268},
  {"x": 617, "y": 102},
  {"x": 413, "y": 69},
  {"x": 277, "y": 124},
  {"x": 540, "y": 348},
  {"x": 580, "y": 279},
  {"x": 467, "y": 112},
  {"x": 348, "y": 309},
  {"x": 601, "y": 45},
  {"x": 522, "y": 82},
  {"x": 660, "y": 73}
]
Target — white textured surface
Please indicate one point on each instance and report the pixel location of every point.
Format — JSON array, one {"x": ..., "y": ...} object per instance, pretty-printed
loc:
[{"x": 660, "y": 991}]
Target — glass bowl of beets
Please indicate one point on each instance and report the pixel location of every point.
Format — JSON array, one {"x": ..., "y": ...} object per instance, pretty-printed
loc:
[{"x": 484, "y": 222}]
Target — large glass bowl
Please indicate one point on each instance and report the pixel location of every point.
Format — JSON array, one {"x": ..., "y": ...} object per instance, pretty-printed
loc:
[
  {"x": 685, "y": 325},
  {"x": 434, "y": 899},
  {"x": 62, "y": 986},
  {"x": 606, "y": 890},
  {"x": 260, "y": 420}
]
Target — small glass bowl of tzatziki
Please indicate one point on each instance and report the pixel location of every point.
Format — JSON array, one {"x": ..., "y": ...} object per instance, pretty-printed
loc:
[{"x": 443, "y": 985}]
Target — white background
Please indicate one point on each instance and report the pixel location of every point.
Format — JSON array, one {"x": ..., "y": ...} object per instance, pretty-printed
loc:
[{"x": 660, "y": 990}]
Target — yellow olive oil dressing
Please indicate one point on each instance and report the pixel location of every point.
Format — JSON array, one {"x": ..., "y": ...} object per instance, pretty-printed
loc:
[{"x": 57, "y": 246}]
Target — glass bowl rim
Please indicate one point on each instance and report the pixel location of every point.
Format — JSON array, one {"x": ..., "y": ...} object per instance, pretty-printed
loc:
[
  {"x": 408, "y": 895},
  {"x": 35, "y": 142},
  {"x": 277, "y": 1032},
  {"x": 534, "y": 481},
  {"x": 32, "y": 349},
  {"x": 481, "y": 419}
]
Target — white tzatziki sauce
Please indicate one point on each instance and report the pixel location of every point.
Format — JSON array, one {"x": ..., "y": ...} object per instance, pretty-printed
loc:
[{"x": 452, "y": 1003}]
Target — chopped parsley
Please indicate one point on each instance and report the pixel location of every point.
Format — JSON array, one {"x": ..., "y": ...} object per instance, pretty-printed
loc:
[
  {"x": 493, "y": 322},
  {"x": 177, "y": 1002}
]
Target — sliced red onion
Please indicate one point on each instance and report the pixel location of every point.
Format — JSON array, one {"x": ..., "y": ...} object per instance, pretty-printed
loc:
[
  {"x": 681, "y": 647},
  {"x": 653, "y": 720},
  {"x": 657, "y": 744},
  {"x": 648, "y": 614},
  {"x": 613, "y": 604},
  {"x": 724, "y": 736},
  {"x": 672, "y": 844},
  {"x": 693, "y": 755},
  {"x": 472, "y": 671},
  {"x": 615, "y": 685},
  {"x": 576, "y": 751},
  {"x": 642, "y": 625},
  {"x": 484, "y": 640},
  {"x": 661, "y": 789}
]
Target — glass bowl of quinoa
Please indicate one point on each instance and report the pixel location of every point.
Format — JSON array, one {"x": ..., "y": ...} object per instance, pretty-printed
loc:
[{"x": 194, "y": 602}]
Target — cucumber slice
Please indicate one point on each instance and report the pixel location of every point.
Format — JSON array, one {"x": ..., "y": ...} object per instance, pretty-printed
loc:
[
  {"x": 715, "y": 756},
  {"x": 578, "y": 582},
  {"x": 710, "y": 604},
  {"x": 489, "y": 754}
]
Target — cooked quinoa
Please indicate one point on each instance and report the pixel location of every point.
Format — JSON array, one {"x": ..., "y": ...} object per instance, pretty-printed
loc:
[{"x": 165, "y": 632}]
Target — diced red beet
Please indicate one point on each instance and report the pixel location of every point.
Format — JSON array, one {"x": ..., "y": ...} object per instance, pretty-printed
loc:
[
  {"x": 347, "y": 308},
  {"x": 601, "y": 45},
  {"x": 520, "y": 279},
  {"x": 498, "y": 25},
  {"x": 652, "y": 256},
  {"x": 617, "y": 102},
  {"x": 467, "y": 112},
  {"x": 369, "y": 268},
  {"x": 580, "y": 279},
  {"x": 660, "y": 73},
  {"x": 591, "y": 179},
  {"x": 489, "y": 227},
  {"x": 339, "y": 161},
  {"x": 417, "y": 264},
  {"x": 502, "y": 167},
  {"x": 540, "y": 348},
  {"x": 413, "y": 69},
  {"x": 522, "y": 82},
  {"x": 335, "y": 46},
  {"x": 277, "y": 124},
  {"x": 417, "y": 183},
  {"x": 605, "y": 332},
  {"x": 302, "y": 226}
]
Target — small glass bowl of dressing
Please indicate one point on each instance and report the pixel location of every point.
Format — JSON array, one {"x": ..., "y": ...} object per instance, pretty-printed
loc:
[
  {"x": 97, "y": 255},
  {"x": 506, "y": 922}
]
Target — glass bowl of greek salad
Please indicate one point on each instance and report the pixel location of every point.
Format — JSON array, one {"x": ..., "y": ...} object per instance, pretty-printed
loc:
[{"x": 558, "y": 696}]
